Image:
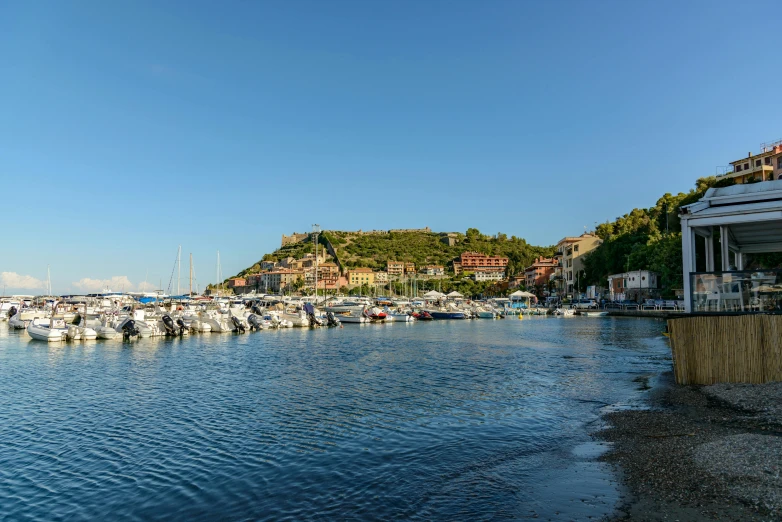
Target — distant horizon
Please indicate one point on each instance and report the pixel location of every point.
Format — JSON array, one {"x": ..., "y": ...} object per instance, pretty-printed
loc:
[{"x": 130, "y": 129}]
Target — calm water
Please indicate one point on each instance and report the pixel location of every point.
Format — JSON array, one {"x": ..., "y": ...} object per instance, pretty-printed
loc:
[{"x": 446, "y": 420}]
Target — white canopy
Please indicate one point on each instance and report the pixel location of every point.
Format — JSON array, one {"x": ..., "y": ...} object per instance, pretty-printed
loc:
[
  {"x": 520, "y": 293},
  {"x": 433, "y": 294},
  {"x": 455, "y": 294},
  {"x": 749, "y": 217}
]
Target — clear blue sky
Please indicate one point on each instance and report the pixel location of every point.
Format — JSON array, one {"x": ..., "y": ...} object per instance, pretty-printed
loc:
[{"x": 131, "y": 127}]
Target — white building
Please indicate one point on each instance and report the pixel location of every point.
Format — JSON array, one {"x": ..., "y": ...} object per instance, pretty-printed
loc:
[
  {"x": 488, "y": 276},
  {"x": 632, "y": 284},
  {"x": 748, "y": 219}
]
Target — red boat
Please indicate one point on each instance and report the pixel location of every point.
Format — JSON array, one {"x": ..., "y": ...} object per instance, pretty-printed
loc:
[
  {"x": 423, "y": 316},
  {"x": 375, "y": 314}
]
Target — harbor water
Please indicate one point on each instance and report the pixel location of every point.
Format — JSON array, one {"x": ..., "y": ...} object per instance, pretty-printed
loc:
[{"x": 446, "y": 420}]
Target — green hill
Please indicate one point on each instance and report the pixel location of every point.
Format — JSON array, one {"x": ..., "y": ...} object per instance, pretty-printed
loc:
[{"x": 375, "y": 249}]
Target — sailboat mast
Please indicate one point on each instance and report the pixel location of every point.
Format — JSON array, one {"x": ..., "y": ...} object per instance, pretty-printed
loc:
[
  {"x": 179, "y": 269},
  {"x": 191, "y": 274}
]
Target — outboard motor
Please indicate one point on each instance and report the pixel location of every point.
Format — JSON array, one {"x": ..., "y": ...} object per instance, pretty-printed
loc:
[
  {"x": 129, "y": 330},
  {"x": 331, "y": 319},
  {"x": 256, "y": 310},
  {"x": 168, "y": 323},
  {"x": 254, "y": 322},
  {"x": 182, "y": 326},
  {"x": 239, "y": 327},
  {"x": 12, "y": 312}
]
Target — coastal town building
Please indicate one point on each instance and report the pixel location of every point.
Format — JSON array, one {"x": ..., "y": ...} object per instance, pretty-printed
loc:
[
  {"x": 328, "y": 276},
  {"x": 268, "y": 265},
  {"x": 764, "y": 166},
  {"x": 308, "y": 261},
  {"x": 488, "y": 275},
  {"x": 237, "y": 283},
  {"x": 381, "y": 277},
  {"x": 433, "y": 270},
  {"x": 539, "y": 272},
  {"x": 570, "y": 256},
  {"x": 634, "y": 285},
  {"x": 517, "y": 281},
  {"x": 477, "y": 262},
  {"x": 395, "y": 268},
  {"x": 361, "y": 276},
  {"x": 274, "y": 280},
  {"x": 409, "y": 268}
]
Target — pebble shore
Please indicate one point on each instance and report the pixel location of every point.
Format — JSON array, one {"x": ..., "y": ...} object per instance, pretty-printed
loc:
[{"x": 700, "y": 453}]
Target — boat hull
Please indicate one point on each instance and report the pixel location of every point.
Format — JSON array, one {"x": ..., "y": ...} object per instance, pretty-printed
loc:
[{"x": 446, "y": 315}]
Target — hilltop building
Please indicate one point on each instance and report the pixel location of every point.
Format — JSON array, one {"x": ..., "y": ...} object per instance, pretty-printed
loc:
[
  {"x": 293, "y": 238},
  {"x": 764, "y": 166}
]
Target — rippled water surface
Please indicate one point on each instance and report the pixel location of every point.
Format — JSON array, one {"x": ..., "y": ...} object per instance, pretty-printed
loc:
[{"x": 446, "y": 420}]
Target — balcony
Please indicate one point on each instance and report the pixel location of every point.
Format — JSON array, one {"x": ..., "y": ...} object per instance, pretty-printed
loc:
[
  {"x": 762, "y": 172},
  {"x": 737, "y": 291}
]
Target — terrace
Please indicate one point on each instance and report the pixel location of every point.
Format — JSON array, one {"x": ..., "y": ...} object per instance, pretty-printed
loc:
[{"x": 741, "y": 219}]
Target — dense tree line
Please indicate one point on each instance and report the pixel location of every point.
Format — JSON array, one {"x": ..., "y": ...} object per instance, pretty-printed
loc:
[{"x": 650, "y": 239}]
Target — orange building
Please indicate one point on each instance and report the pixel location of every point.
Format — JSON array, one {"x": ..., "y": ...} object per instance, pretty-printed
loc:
[
  {"x": 539, "y": 272},
  {"x": 477, "y": 262}
]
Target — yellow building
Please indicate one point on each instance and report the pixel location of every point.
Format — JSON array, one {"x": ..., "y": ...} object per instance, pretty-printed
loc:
[
  {"x": 570, "y": 252},
  {"x": 764, "y": 166},
  {"x": 361, "y": 276}
]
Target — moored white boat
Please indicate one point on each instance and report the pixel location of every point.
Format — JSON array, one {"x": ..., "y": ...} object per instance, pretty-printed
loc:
[
  {"x": 48, "y": 330},
  {"x": 594, "y": 313}
]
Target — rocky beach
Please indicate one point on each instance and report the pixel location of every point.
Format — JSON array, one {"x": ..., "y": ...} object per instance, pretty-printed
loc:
[{"x": 699, "y": 453}]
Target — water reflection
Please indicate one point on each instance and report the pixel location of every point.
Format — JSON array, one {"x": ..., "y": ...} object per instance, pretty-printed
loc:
[{"x": 441, "y": 420}]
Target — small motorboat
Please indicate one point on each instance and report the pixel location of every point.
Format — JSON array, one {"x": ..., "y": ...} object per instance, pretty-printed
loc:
[
  {"x": 48, "y": 330},
  {"x": 594, "y": 313},
  {"x": 375, "y": 314},
  {"x": 446, "y": 314},
  {"x": 423, "y": 315}
]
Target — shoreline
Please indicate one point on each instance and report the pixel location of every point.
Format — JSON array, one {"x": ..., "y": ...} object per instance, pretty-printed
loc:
[{"x": 698, "y": 453}]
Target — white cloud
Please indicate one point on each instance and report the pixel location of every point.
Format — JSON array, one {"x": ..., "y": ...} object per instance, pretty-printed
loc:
[
  {"x": 115, "y": 284},
  {"x": 145, "y": 287},
  {"x": 14, "y": 280}
]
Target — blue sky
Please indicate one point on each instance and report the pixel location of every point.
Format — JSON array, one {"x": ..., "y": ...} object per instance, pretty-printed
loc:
[{"x": 131, "y": 127}]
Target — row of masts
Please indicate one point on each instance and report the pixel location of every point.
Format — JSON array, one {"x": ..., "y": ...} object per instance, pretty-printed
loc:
[{"x": 219, "y": 273}]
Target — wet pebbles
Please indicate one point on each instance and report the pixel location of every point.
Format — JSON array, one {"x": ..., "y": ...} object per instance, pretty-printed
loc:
[{"x": 710, "y": 453}]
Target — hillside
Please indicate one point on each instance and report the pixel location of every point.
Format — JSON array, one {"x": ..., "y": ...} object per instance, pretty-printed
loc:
[{"x": 375, "y": 249}]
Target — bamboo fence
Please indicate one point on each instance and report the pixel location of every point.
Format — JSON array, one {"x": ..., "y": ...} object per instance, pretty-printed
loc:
[{"x": 721, "y": 348}]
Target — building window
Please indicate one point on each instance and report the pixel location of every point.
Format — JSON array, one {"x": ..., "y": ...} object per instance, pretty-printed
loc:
[
  {"x": 779, "y": 162},
  {"x": 768, "y": 160},
  {"x": 575, "y": 248},
  {"x": 738, "y": 168},
  {"x": 757, "y": 163},
  {"x": 746, "y": 166}
]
